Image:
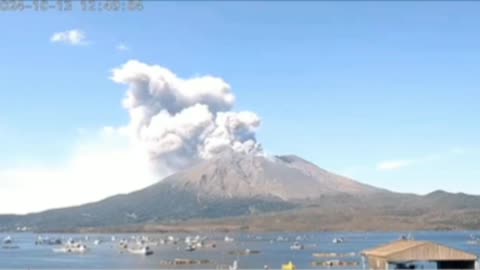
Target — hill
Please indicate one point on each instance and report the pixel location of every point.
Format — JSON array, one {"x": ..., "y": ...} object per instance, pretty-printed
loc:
[{"x": 276, "y": 193}]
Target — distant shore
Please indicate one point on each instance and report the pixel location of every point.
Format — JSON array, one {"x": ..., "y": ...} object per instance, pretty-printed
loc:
[{"x": 261, "y": 224}]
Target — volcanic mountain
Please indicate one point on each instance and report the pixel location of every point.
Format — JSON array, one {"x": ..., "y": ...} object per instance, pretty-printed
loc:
[
  {"x": 280, "y": 192},
  {"x": 231, "y": 184},
  {"x": 286, "y": 178}
]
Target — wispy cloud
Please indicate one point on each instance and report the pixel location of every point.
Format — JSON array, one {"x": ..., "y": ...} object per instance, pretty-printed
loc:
[
  {"x": 397, "y": 164},
  {"x": 391, "y": 165},
  {"x": 121, "y": 47},
  {"x": 72, "y": 37}
]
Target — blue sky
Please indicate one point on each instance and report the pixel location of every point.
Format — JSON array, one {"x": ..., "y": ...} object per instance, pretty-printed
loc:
[{"x": 386, "y": 93}]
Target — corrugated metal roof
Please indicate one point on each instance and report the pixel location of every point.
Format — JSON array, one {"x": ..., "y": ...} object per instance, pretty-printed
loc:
[{"x": 407, "y": 250}]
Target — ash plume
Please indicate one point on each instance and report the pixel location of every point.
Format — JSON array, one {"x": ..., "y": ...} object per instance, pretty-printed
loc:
[{"x": 180, "y": 121}]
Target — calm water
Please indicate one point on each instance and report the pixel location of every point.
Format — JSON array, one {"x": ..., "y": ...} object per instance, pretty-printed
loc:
[{"x": 108, "y": 255}]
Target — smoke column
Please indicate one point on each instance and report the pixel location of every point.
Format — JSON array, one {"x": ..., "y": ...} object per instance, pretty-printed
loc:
[{"x": 180, "y": 121}]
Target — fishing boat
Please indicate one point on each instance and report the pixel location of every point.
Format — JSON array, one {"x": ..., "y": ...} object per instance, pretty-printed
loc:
[
  {"x": 48, "y": 241},
  {"x": 406, "y": 237},
  {"x": 190, "y": 248},
  {"x": 234, "y": 266},
  {"x": 299, "y": 238},
  {"x": 228, "y": 239},
  {"x": 296, "y": 246},
  {"x": 72, "y": 248},
  {"x": 338, "y": 240},
  {"x": 8, "y": 240},
  {"x": 281, "y": 239},
  {"x": 123, "y": 244},
  {"x": 145, "y": 250}
]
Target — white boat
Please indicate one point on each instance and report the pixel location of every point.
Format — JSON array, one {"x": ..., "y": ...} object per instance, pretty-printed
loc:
[
  {"x": 172, "y": 240},
  {"x": 97, "y": 242},
  {"x": 281, "y": 239},
  {"x": 338, "y": 240},
  {"x": 228, "y": 239},
  {"x": 188, "y": 240},
  {"x": 296, "y": 246},
  {"x": 189, "y": 248},
  {"x": 48, "y": 241},
  {"x": 145, "y": 250},
  {"x": 72, "y": 248},
  {"x": 123, "y": 244},
  {"x": 234, "y": 266},
  {"x": 8, "y": 240}
]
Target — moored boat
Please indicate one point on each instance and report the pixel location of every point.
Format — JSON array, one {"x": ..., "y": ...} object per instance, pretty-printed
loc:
[
  {"x": 145, "y": 250},
  {"x": 8, "y": 240},
  {"x": 296, "y": 246},
  {"x": 72, "y": 248}
]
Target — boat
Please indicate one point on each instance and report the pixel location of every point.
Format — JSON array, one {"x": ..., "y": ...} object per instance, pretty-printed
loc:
[
  {"x": 180, "y": 261},
  {"x": 8, "y": 240},
  {"x": 474, "y": 240},
  {"x": 228, "y": 239},
  {"x": 334, "y": 255},
  {"x": 338, "y": 240},
  {"x": 244, "y": 252},
  {"x": 234, "y": 266},
  {"x": 123, "y": 244},
  {"x": 97, "y": 242},
  {"x": 336, "y": 263},
  {"x": 211, "y": 245},
  {"x": 296, "y": 246},
  {"x": 189, "y": 248},
  {"x": 408, "y": 237},
  {"x": 10, "y": 247},
  {"x": 145, "y": 250},
  {"x": 48, "y": 241},
  {"x": 172, "y": 240},
  {"x": 72, "y": 248}
]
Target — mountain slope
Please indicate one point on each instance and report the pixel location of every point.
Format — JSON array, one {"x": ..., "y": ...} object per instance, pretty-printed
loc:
[
  {"x": 230, "y": 184},
  {"x": 256, "y": 188},
  {"x": 234, "y": 175}
]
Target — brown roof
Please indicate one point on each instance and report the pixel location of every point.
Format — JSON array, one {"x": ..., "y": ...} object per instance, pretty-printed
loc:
[{"x": 406, "y": 250}]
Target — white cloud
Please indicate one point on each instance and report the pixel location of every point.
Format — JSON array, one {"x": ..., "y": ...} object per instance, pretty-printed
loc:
[
  {"x": 121, "y": 47},
  {"x": 104, "y": 165},
  {"x": 393, "y": 165},
  {"x": 73, "y": 37},
  {"x": 397, "y": 164}
]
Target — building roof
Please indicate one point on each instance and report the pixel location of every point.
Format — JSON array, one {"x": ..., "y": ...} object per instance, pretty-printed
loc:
[{"x": 407, "y": 250}]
